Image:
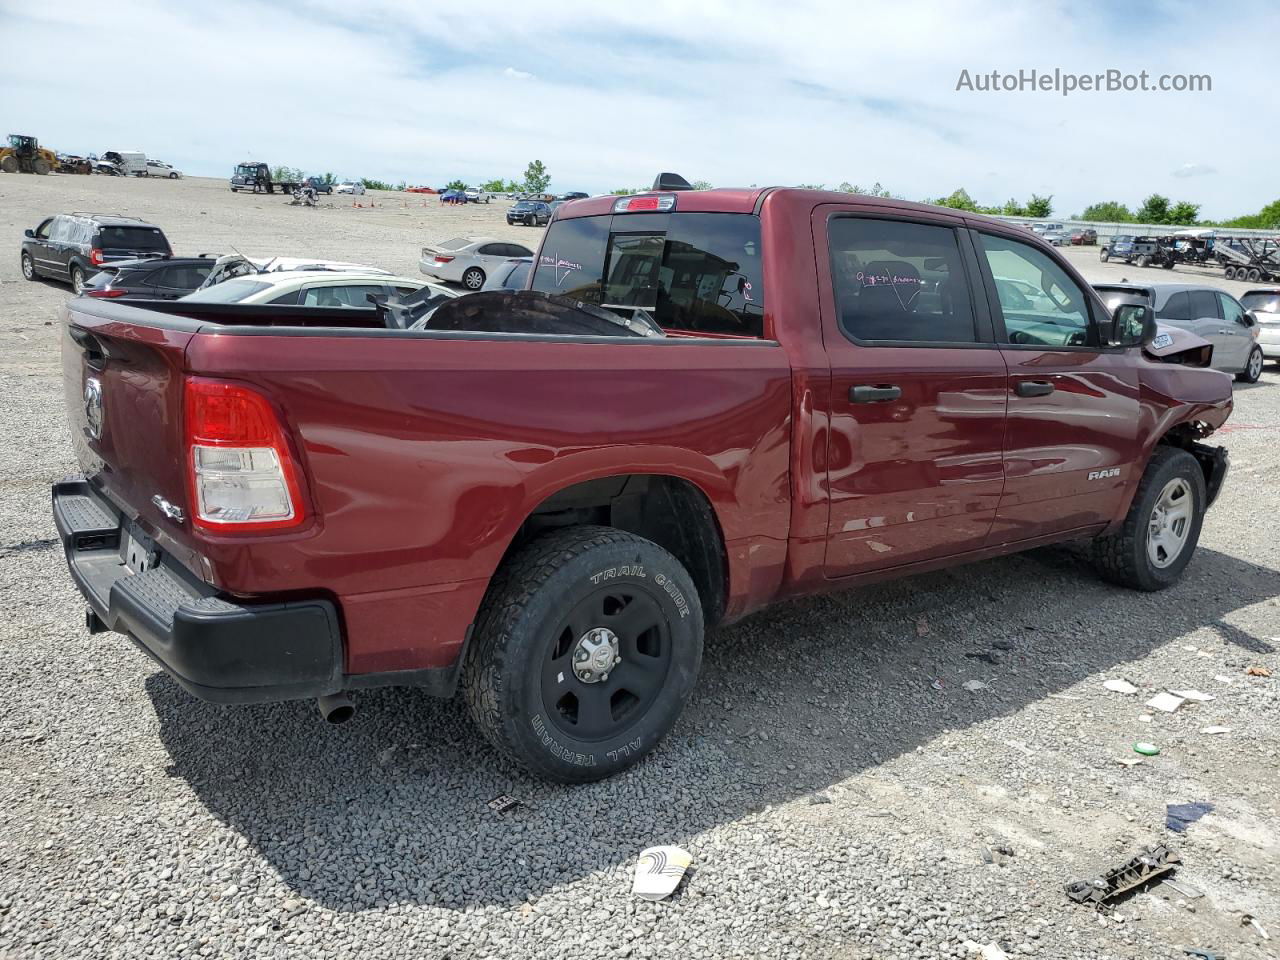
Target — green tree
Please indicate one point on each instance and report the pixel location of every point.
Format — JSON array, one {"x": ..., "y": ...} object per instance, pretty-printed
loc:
[
  {"x": 494, "y": 186},
  {"x": 623, "y": 191},
  {"x": 1108, "y": 211},
  {"x": 1039, "y": 206},
  {"x": 536, "y": 177},
  {"x": 286, "y": 173},
  {"x": 1012, "y": 208},
  {"x": 328, "y": 179},
  {"x": 455, "y": 185},
  {"x": 370, "y": 184},
  {"x": 1268, "y": 218},
  {"x": 702, "y": 185},
  {"x": 1154, "y": 209},
  {"x": 959, "y": 200},
  {"x": 875, "y": 190},
  {"x": 1184, "y": 213}
]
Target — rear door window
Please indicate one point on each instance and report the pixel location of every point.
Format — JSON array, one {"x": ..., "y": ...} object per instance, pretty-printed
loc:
[
  {"x": 1177, "y": 307},
  {"x": 899, "y": 282},
  {"x": 694, "y": 272},
  {"x": 1204, "y": 305}
]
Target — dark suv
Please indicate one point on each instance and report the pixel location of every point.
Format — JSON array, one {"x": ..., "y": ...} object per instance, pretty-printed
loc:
[
  {"x": 157, "y": 278},
  {"x": 532, "y": 213},
  {"x": 73, "y": 246}
]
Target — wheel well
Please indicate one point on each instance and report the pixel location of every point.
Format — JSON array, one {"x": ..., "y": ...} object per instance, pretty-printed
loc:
[
  {"x": 1186, "y": 436},
  {"x": 671, "y": 512}
]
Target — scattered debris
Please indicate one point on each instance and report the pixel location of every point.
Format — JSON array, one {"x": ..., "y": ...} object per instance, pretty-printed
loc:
[
  {"x": 997, "y": 853},
  {"x": 1129, "y": 761},
  {"x": 1215, "y": 730},
  {"x": 990, "y": 951},
  {"x": 1222, "y": 678},
  {"x": 1167, "y": 702},
  {"x": 1145, "y": 717},
  {"x": 1120, "y": 686},
  {"x": 984, "y": 656},
  {"x": 1179, "y": 816},
  {"x": 819, "y": 798},
  {"x": 1256, "y": 671},
  {"x": 1251, "y": 921},
  {"x": 658, "y": 872},
  {"x": 1146, "y": 749},
  {"x": 973, "y": 686},
  {"x": 1183, "y": 889},
  {"x": 503, "y": 803},
  {"x": 1149, "y": 863},
  {"x": 922, "y": 627},
  {"x": 936, "y": 684},
  {"x": 1203, "y": 954},
  {"x": 1195, "y": 695},
  {"x": 1064, "y": 696}
]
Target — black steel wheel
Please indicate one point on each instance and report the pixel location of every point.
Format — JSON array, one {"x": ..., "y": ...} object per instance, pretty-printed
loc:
[{"x": 586, "y": 649}]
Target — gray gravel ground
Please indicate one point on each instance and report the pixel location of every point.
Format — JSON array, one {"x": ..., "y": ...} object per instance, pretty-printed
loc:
[{"x": 833, "y": 780}]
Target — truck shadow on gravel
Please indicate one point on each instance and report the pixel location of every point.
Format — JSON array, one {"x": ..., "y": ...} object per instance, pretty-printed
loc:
[{"x": 392, "y": 807}]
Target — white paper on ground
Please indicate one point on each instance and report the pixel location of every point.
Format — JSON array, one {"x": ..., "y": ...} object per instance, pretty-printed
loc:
[
  {"x": 658, "y": 871},
  {"x": 1167, "y": 702},
  {"x": 1195, "y": 695},
  {"x": 1120, "y": 686},
  {"x": 1216, "y": 730}
]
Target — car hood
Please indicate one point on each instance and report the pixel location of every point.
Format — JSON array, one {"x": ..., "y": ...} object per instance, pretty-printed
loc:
[{"x": 1173, "y": 344}]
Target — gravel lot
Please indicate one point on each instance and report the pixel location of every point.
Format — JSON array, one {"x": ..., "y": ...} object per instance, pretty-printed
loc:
[{"x": 833, "y": 779}]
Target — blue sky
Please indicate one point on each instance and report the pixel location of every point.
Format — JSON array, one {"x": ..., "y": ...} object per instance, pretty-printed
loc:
[{"x": 607, "y": 95}]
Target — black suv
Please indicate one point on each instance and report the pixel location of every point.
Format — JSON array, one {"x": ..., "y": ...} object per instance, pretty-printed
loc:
[
  {"x": 73, "y": 246},
  {"x": 160, "y": 278},
  {"x": 532, "y": 213}
]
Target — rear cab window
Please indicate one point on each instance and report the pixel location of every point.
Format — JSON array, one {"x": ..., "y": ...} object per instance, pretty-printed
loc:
[{"x": 695, "y": 273}]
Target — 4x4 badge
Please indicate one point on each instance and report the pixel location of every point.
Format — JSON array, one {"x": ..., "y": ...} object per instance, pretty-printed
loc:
[{"x": 93, "y": 406}]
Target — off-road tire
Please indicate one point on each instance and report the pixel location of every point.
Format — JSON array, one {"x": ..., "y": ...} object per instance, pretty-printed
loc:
[
  {"x": 519, "y": 624},
  {"x": 1252, "y": 367},
  {"x": 28, "y": 267},
  {"x": 77, "y": 280},
  {"x": 1121, "y": 557}
]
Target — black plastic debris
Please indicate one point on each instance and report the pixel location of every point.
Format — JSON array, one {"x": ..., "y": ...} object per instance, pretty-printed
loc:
[
  {"x": 503, "y": 803},
  {"x": 1179, "y": 816},
  {"x": 1137, "y": 871}
]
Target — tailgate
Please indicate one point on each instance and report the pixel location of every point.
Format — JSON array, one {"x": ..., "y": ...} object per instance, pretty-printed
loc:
[{"x": 123, "y": 382}]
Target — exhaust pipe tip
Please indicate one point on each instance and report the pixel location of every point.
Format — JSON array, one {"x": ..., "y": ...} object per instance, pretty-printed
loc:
[{"x": 336, "y": 708}]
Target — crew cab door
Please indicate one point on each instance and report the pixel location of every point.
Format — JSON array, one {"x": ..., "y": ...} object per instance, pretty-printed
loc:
[
  {"x": 918, "y": 390},
  {"x": 1071, "y": 433}
]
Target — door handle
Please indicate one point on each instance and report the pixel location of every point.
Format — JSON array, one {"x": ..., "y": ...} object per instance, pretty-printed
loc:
[
  {"x": 874, "y": 394},
  {"x": 1033, "y": 388}
]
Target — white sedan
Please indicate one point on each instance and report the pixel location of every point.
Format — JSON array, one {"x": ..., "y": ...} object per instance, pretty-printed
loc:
[
  {"x": 469, "y": 260},
  {"x": 350, "y": 186},
  {"x": 158, "y": 168},
  {"x": 313, "y": 288}
]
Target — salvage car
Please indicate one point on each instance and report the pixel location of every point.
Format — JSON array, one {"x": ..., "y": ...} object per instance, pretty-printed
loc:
[
  {"x": 468, "y": 260},
  {"x": 1264, "y": 304},
  {"x": 1210, "y": 313},
  {"x": 707, "y": 402},
  {"x": 310, "y": 288},
  {"x": 156, "y": 278},
  {"x": 71, "y": 247}
]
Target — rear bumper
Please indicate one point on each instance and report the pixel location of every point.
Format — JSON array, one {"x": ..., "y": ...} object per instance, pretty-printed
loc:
[{"x": 217, "y": 648}]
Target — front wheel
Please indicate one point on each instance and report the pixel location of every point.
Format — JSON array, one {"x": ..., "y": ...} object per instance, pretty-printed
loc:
[
  {"x": 1161, "y": 530},
  {"x": 77, "y": 280},
  {"x": 1253, "y": 368},
  {"x": 28, "y": 267},
  {"x": 585, "y": 653},
  {"x": 473, "y": 278},
  {"x": 1104, "y": 254},
  {"x": 1230, "y": 273}
]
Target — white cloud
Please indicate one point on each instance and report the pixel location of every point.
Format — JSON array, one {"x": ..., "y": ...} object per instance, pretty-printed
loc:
[
  {"x": 1194, "y": 170},
  {"x": 735, "y": 94}
]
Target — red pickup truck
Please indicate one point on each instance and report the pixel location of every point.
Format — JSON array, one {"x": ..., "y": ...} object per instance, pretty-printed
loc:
[{"x": 802, "y": 391}]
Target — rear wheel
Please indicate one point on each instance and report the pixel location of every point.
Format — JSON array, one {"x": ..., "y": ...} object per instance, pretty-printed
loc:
[
  {"x": 1254, "y": 274},
  {"x": 77, "y": 280},
  {"x": 1104, "y": 254},
  {"x": 1161, "y": 530},
  {"x": 28, "y": 267},
  {"x": 1144, "y": 261},
  {"x": 1253, "y": 368},
  {"x": 585, "y": 652},
  {"x": 473, "y": 278},
  {"x": 40, "y": 166}
]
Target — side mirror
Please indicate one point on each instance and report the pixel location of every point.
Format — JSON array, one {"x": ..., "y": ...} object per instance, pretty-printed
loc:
[
  {"x": 29, "y": 233},
  {"x": 1248, "y": 319},
  {"x": 1132, "y": 325}
]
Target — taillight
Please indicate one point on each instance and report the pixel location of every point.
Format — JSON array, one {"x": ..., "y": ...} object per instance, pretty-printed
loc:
[
  {"x": 105, "y": 294},
  {"x": 647, "y": 203},
  {"x": 95, "y": 257},
  {"x": 242, "y": 474},
  {"x": 440, "y": 259}
]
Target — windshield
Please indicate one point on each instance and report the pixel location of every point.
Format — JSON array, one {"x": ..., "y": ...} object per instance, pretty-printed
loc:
[
  {"x": 524, "y": 205},
  {"x": 697, "y": 272},
  {"x": 229, "y": 291},
  {"x": 1263, "y": 301},
  {"x": 132, "y": 238}
]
